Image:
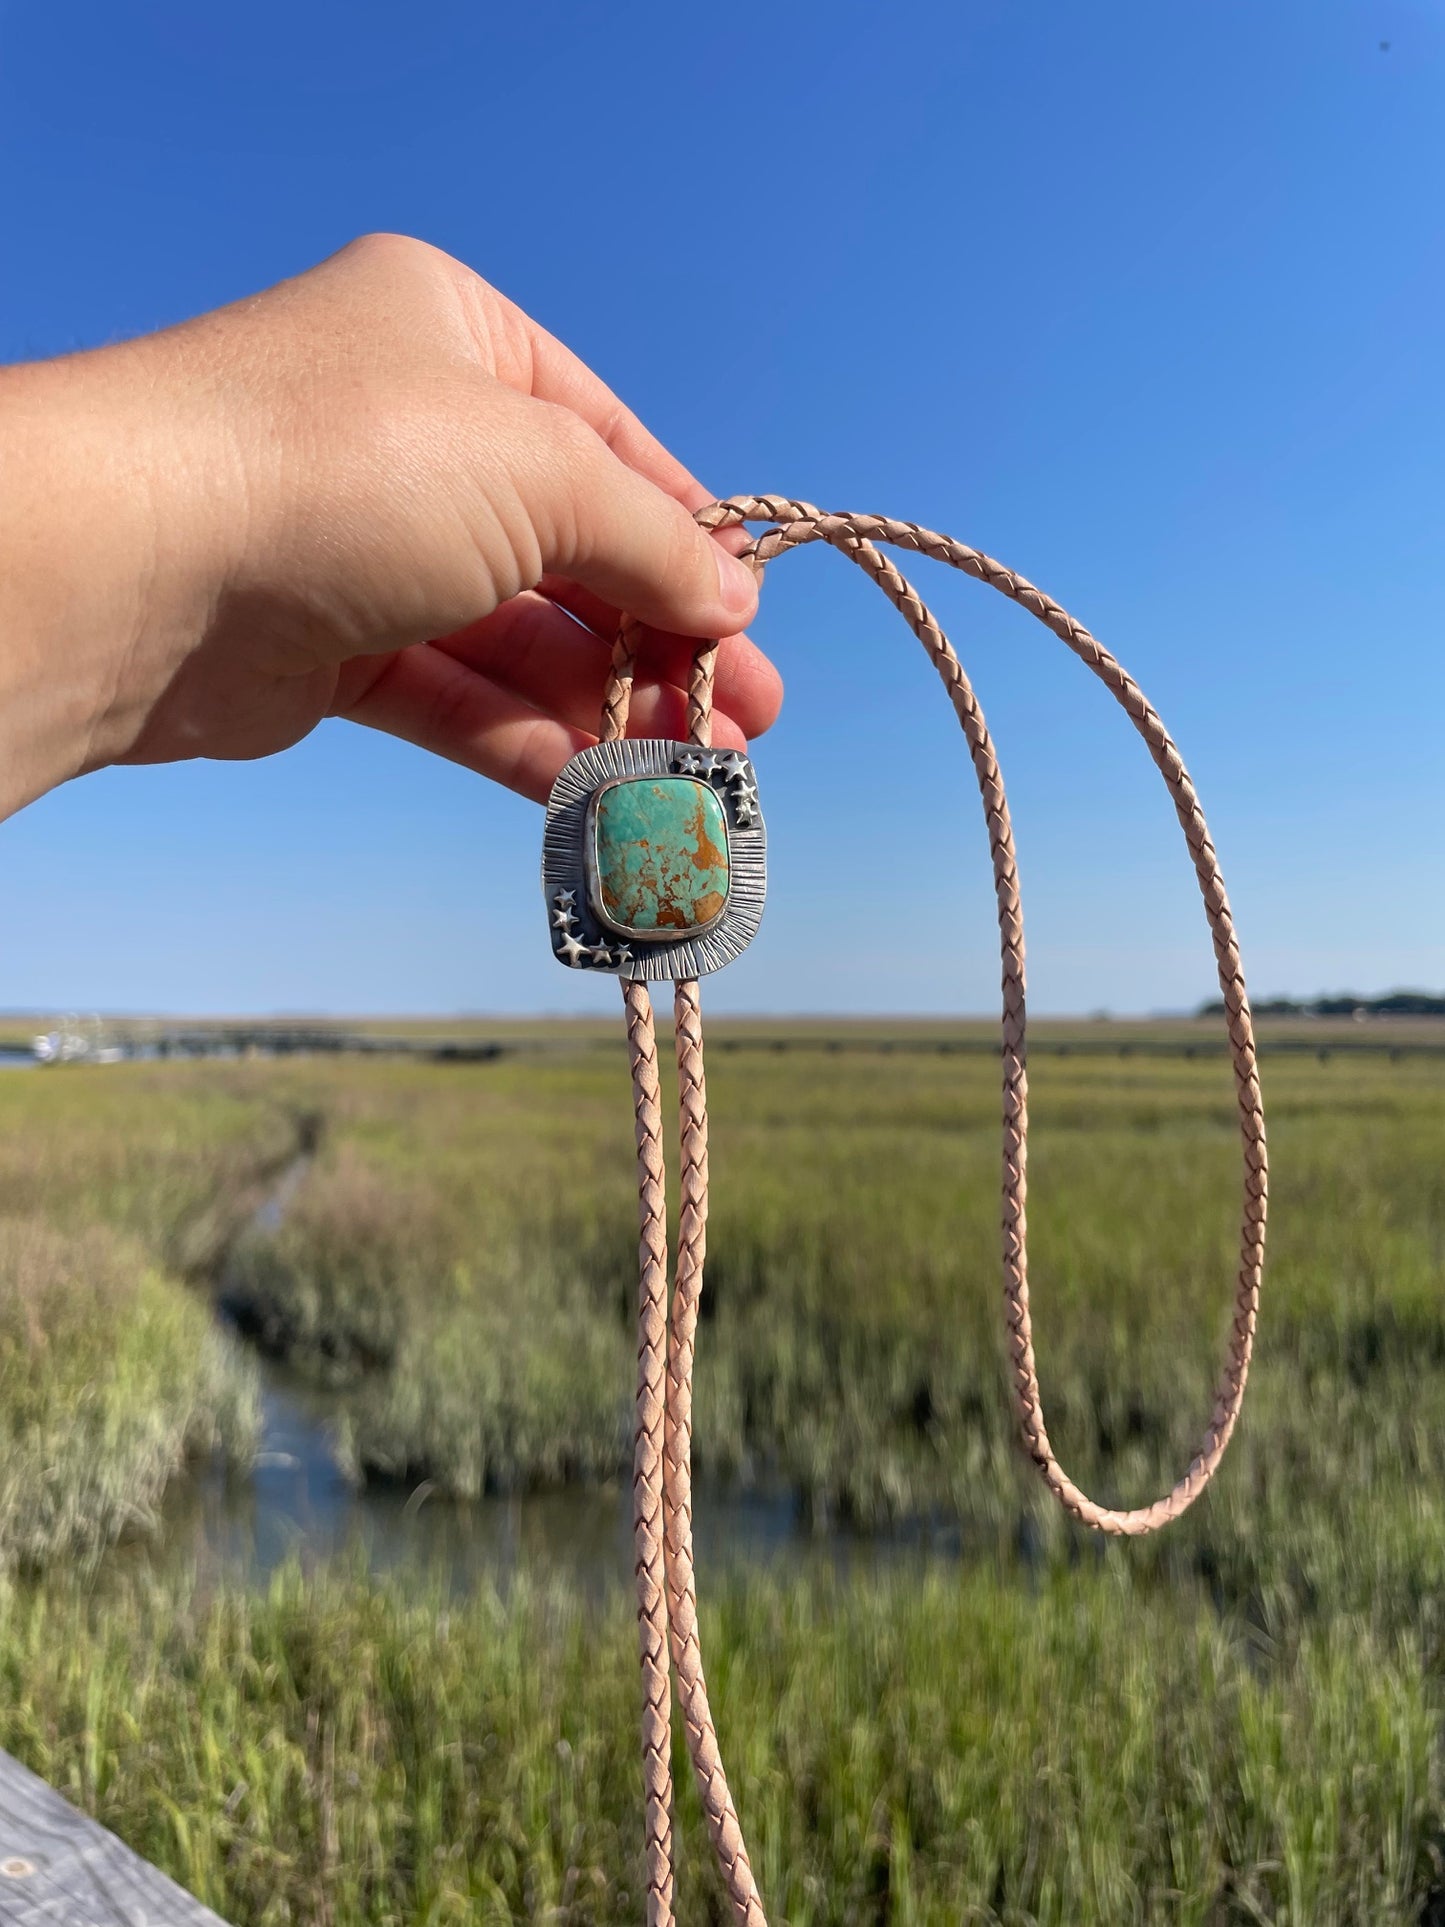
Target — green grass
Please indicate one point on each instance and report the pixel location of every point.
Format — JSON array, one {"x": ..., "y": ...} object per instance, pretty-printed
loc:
[
  {"x": 462, "y": 1253},
  {"x": 114, "y": 1186},
  {"x": 1240, "y": 1720},
  {"x": 910, "y": 1751},
  {"x": 111, "y": 1379},
  {"x": 168, "y": 1153}
]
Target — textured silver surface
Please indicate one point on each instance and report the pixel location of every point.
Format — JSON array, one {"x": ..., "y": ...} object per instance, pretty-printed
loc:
[{"x": 578, "y": 939}]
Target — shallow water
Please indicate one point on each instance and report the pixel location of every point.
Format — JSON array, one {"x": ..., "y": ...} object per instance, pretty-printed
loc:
[{"x": 296, "y": 1503}]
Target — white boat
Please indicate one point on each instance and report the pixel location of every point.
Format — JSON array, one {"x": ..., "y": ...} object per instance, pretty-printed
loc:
[{"x": 70, "y": 1045}]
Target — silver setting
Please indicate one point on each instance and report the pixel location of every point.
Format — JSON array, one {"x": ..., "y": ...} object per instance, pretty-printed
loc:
[
  {"x": 580, "y": 938},
  {"x": 594, "y": 879}
]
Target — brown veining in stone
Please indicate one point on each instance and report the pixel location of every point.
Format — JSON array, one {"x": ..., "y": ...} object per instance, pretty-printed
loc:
[{"x": 661, "y": 856}]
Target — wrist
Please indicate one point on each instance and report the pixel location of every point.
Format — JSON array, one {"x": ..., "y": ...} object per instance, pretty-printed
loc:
[{"x": 113, "y": 530}]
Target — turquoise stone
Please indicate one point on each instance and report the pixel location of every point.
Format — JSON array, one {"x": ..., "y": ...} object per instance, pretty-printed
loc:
[{"x": 660, "y": 856}]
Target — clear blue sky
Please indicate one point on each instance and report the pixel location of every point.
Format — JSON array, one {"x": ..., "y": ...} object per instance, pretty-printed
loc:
[{"x": 1144, "y": 299}]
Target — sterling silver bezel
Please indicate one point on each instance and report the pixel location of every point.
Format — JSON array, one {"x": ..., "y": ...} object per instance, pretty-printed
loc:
[{"x": 584, "y": 939}]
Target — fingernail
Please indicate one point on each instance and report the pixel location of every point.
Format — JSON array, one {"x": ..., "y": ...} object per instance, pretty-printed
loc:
[{"x": 736, "y": 583}]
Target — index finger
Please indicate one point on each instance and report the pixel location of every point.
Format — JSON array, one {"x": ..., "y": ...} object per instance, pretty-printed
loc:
[
  {"x": 748, "y": 685},
  {"x": 557, "y": 375},
  {"x": 551, "y": 372}
]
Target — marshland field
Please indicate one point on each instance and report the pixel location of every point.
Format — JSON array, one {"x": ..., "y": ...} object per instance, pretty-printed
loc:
[{"x": 938, "y": 1701}]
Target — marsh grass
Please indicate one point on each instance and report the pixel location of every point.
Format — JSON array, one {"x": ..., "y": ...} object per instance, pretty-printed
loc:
[
  {"x": 167, "y": 1152},
  {"x": 470, "y": 1232},
  {"x": 113, "y": 1374},
  {"x": 1238, "y": 1721},
  {"x": 112, "y": 1377},
  {"x": 937, "y": 1749}
]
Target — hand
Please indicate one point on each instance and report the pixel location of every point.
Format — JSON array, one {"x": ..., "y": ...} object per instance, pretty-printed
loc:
[{"x": 378, "y": 491}]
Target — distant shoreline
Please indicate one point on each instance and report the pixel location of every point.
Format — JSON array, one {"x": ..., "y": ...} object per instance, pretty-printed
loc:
[
  {"x": 1397, "y": 1003},
  {"x": 1405, "y": 1023},
  {"x": 20, "y": 1025}
]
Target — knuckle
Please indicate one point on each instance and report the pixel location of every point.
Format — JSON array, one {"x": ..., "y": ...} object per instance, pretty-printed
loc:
[
  {"x": 451, "y": 709},
  {"x": 570, "y": 483},
  {"x": 390, "y": 252},
  {"x": 577, "y": 445},
  {"x": 688, "y": 560},
  {"x": 386, "y": 262},
  {"x": 531, "y": 760}
]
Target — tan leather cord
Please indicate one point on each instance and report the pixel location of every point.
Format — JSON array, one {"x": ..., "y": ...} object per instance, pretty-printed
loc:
[
  {"x": 647, "y": 1521},
  {"x": 663, "y": 1481}
]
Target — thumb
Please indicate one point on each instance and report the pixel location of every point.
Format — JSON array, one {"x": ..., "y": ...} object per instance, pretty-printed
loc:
[{"x": 598, "y": 522}]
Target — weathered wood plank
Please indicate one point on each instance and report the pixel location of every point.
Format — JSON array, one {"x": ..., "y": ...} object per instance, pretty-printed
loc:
[{"x": 58, "y": 1868}]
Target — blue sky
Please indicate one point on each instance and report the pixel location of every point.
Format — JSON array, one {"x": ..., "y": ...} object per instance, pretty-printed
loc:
[{"x": 1144, "y": 299}]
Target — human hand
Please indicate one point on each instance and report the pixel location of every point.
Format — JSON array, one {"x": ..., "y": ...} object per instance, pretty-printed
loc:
[{"x": 377, "y": 491}]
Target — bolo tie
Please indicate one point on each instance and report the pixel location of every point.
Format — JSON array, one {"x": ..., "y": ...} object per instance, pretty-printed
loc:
[{"x": 654, "y": 869}]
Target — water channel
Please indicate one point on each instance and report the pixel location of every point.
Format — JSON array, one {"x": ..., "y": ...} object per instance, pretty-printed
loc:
[{"x": 295, "y": 1503}]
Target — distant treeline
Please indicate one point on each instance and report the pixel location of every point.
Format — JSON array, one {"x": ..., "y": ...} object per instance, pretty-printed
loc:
[{"x": 1399, "y": 1003}]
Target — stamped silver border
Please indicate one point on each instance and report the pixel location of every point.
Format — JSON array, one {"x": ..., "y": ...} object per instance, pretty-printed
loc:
[{"x": 579, "y": 938}]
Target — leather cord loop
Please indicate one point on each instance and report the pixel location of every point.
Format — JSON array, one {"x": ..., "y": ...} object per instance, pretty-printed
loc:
[{"x": 662, "y": 1478}]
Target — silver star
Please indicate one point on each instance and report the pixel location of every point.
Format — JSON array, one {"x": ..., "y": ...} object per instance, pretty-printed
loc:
[
  {"x": 600, "y": 955},
  {"x": 744, "y": 812},
  {"x": 735, "y": 763},
  {"x": 562, "y": 919},
  {"x": 622, "y": 955},
  {"x": 565, "y": 899},
  {"x": 570, "y": 951},
  {"x": 696, "y": 763}
]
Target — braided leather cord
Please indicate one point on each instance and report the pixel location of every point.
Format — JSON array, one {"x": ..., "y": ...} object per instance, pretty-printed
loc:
[
  {"x": 856, "y": 536},
  {"x": 676, "y": 1493},
  {"x": 702, "y": 1743},
  {"x": 648, "y": 1438}
]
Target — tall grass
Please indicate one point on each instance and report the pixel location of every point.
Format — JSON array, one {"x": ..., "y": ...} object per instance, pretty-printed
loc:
[
  {"x": 172, "y": 1153},
  {"x": 111, "y": 1378},
  {"x": 905, "y": 1750},
  {"x": 462, "y": 1251},
  {"x": 112, "y": 1372},
  {"x": 1239, "y": 1721}
]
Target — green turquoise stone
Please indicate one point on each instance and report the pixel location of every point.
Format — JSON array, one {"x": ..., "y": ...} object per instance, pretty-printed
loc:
[{"x": 660, "y": 856}]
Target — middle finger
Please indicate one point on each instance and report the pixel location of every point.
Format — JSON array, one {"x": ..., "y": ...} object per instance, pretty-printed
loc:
[{"x": 535, "y": 649}]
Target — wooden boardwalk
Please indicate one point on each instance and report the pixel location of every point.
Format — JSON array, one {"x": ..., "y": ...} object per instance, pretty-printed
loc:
[{"x": 60, "y": 1869}]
